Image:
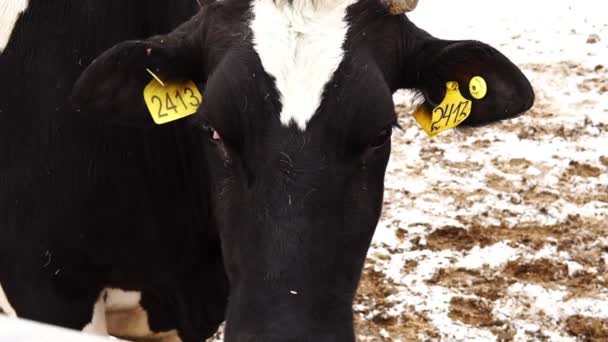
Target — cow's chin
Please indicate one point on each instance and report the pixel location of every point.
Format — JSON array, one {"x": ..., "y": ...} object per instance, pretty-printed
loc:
[
  {"x": 317, "y": 308},
  {"x": 305, "y": 301},
  {"x": 293, "y": 317}
]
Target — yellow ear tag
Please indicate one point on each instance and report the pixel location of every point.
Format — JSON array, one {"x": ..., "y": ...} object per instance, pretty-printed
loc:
[
  {"x": 451, "y": 112},
  {"x": 170, "y": 101}
]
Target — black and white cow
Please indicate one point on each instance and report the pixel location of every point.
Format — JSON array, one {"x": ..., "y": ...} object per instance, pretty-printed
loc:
[
  {"x": 291, "y": 143},
  {"x": 85, "y": 206},
  {"x": 78, "y": 199}
]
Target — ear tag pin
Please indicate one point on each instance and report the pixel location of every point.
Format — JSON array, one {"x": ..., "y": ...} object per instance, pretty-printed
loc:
[
  {"x": 170, "y": 101},
  {"x": 478, "y": 87},
  {"x": 451, "y": 112}
]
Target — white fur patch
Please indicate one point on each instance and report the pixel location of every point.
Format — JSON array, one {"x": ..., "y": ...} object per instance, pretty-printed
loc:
[
  {"x": 117, "y": 300},
  {"x": 5, "y": 306},
  {"x": 134, "y": 324},
  {"x": 126, "y": 318},
  {"x": 301, "y": 46},
  {"x": 98, "y": 325},
  {"x": 10, "y": 10}
]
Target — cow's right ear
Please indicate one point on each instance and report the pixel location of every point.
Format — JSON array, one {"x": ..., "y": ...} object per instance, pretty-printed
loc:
[{"x": 111, "y": 88}]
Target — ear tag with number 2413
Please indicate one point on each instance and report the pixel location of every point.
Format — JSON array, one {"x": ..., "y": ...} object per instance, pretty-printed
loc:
[
  {"x": 170, "y": 101},
  {"x": 451, "y": 112}
]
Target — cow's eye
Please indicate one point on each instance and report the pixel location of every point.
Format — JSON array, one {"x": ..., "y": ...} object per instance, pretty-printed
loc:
[{"x": 382, "y": 138}]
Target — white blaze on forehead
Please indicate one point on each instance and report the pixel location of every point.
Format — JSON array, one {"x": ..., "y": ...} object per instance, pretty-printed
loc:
[
  {"x": 10, "y": 10},
  {"x": 301, "y": 46},
  {"x": 5, "y": 306}
]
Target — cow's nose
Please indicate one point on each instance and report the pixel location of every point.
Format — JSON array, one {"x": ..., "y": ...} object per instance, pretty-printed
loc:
[{"x": 519, "y": 104}]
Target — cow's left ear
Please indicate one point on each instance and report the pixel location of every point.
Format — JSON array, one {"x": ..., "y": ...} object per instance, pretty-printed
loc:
[
  {"x": 111, "y": 88},
  {"x": 497, "y": 87}
]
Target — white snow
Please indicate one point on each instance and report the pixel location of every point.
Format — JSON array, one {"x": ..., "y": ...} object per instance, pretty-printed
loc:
[{"x": 548, "y": 39}]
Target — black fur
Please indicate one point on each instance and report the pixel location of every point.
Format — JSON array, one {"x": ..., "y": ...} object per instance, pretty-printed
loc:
[{"x": 85, "y": 205}]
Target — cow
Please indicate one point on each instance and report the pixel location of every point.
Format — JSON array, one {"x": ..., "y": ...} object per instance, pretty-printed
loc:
[
  {"x": 82, "y": 207},
  {"x": 86, "y": 212},
  {"x": 291, "y": 142}
]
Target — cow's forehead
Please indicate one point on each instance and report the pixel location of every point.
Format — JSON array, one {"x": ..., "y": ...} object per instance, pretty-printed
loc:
[
  {"x": 300, "y": 44},
  {"x": 9, "y": 13}
]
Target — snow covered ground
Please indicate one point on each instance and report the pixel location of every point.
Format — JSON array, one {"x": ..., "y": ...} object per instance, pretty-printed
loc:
[
  {"x": 501, "y": 233},
  {"x": 13, "y": 330}
]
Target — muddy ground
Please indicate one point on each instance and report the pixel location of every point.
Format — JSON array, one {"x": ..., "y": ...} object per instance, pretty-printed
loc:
[
  {"x": 501, "y": 233},
  {"x": 480, "y": 241}
]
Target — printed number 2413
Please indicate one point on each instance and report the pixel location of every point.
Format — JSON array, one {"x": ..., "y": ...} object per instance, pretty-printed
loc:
[
  {"x": 186, "y": 98},
  {"x": 172, "y": 101}
]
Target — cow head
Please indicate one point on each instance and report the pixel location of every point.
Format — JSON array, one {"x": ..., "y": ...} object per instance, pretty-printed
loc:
[{"x": 295, "y": 128}]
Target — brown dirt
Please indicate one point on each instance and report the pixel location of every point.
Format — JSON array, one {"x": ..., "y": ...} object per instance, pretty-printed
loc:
[
  {"x": 587, "y": 328},
  {"x": 466, "y": 167},
  {"x": 499, "y": 183},
  {"x": 478, "y": 313},
  {"x": 505, "y": 333},
  {"x": 401, "y": 234},
  {"x": 585, "y": 284},
  {"x": 463, "y": 239},
  {"x": 537, "y": 271},
  {"x": 491, "y": 284},
  {"x": 373, "y": 291},
  {"x": 583, "y": 170},
  {"x": 473, "y": 312},
  {"x": 576, "y": 235},
  {"x": 451, "y": 238},
  {"x": 544, "y": 130},
  {"x": 484, "y": 284},
  {"x": 406, "y": 327},
  {"x": 410, "y": 266},
  {"x": 513, "y": 165}
]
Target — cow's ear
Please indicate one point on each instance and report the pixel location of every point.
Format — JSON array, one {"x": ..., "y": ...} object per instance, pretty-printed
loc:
[
  {"x": 497, "y": 87},
  {"x": 112, "y": 88}
]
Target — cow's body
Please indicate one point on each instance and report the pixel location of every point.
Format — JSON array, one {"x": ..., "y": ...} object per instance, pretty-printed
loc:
[{"x": 83, "y": 205}]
